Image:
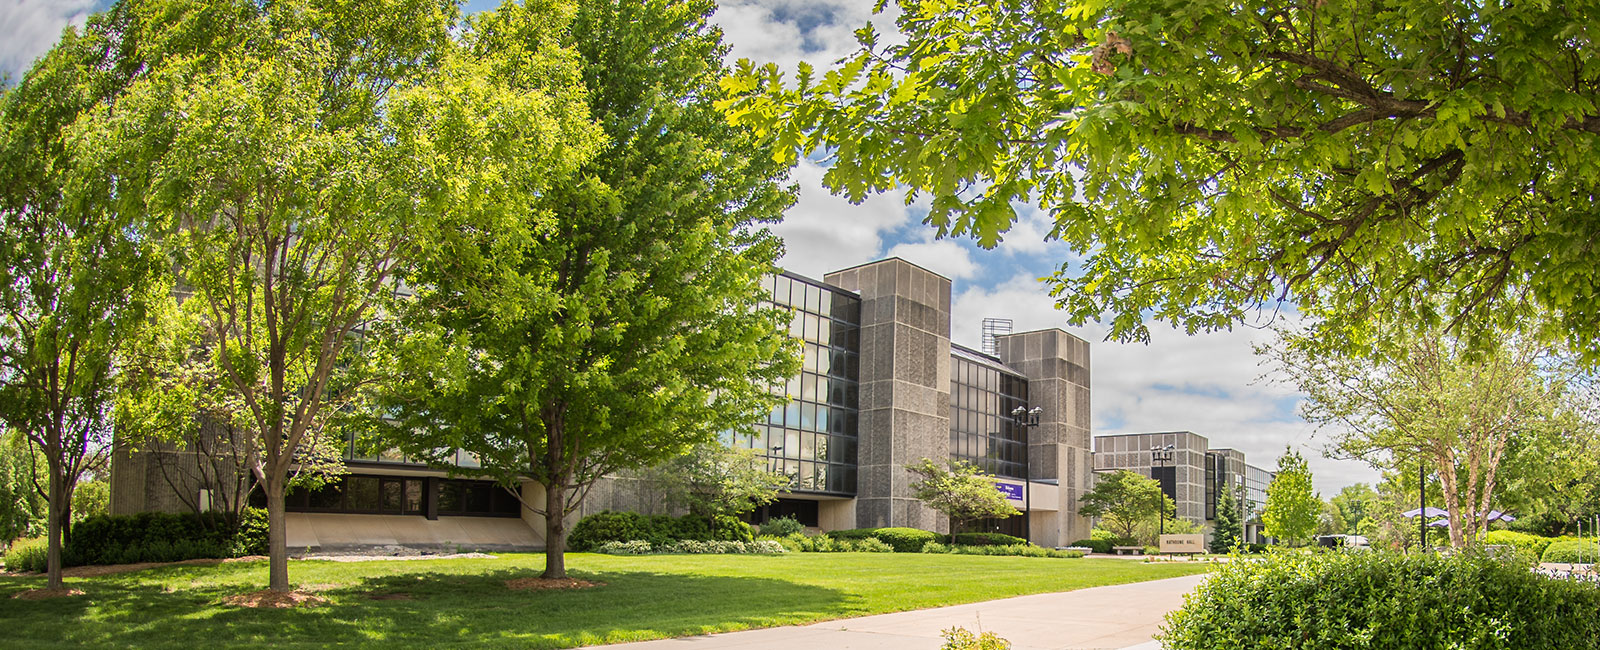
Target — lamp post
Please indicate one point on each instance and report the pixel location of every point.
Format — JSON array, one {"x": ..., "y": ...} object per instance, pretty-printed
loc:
[
  {"x": 1162, "y": 456},
  {"x": 1026, "y": 418},
  {"x": 1238, "y": 491},
  {"x": 1422, "y": 504}
]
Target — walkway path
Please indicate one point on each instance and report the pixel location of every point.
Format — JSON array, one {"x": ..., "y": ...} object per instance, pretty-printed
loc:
[{"x": 1121, "y": 616}]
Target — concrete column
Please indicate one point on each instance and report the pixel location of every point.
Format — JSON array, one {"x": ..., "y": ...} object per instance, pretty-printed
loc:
[
  {"x": 1057, "y": 366},
  {"x": 905, "y": 387}
]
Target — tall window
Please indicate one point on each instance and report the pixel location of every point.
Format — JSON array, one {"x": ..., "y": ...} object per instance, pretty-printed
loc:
[
  {"x": 812, "y": 438},
  {"x": 982, "y": 396}
]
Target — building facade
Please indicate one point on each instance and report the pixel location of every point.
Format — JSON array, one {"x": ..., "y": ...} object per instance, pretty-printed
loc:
[
  {"x": 881, "y": 386},
  {"x": 1191, "y": 473}
]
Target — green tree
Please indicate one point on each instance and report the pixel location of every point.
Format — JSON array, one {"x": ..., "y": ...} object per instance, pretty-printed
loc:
[
  {"x": 1123, "y": 499},
  {"x": 1476, "y": 416},
  {"x": 960, "y": 490},
  {"x": 714, "y": 479},
  {"x": 77, "y": 272},
  {"x": 626, "y": 325},
  {"x": 22, "y": 505},
  {"x": 1352, "y": 502},
  {"x": 1330, "y": 520},
  {"x": 1292, "y": 508},
  {"x": 294, "y": 156},
  {"x": 1226, "y": 533},
  {"x": 1427, "y": 160}
]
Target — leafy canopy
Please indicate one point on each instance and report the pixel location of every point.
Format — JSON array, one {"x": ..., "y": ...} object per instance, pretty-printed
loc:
[
  {"x": 1498, "y": 425},
  {"x": 618, "y": 320},
  {"x": 715, "y": 479},
  {"x": 1209, "y": 160},
  {"x": 1123, "y": 500},
  {"x": 1292, "y": 508},
  {"x": 961, "y": 490}
]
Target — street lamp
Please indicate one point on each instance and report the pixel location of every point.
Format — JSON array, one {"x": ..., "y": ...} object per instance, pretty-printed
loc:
[
  {"x": 1162, "y": 456},
  {"x": 1238, "y": 491},
  {"x": 1026, "y": 418}
]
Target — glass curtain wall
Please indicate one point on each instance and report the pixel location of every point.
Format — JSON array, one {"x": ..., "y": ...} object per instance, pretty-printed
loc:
[
  {"x": 981, "y": 430},
  {"x": 812, "y": 438}
]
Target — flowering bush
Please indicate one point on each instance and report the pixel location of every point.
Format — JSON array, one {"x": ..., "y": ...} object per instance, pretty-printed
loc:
[{"x": 632, "y": 547}]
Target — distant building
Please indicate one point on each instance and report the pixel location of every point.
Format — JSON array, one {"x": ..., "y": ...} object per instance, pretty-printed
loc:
[{"x": 1194, "y": 478}]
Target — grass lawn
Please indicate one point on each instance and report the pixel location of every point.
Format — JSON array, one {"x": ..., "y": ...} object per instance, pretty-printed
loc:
[{"x": 464, "y": 601}]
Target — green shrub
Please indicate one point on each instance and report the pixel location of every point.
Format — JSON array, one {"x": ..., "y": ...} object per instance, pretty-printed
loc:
[
  {"x": 1572, "y": 551},
  {"x": 986, "y": 539},
  {"x": 782, "y": 527},
  {"x": 1529, "y": 547},
  {"x": 28, "y": 554},
  {"x": 1097, "y": 545},
  {"x": 958, "y": 638},
  {"x": 729, "y": 528},
  {"x": 150, "y": 537},
  {"x": 250, "y": 538},
  {"x": 658, "y": 530},
  {"x": 766, "y": 547},
  {"x": 634, "y": 547},
  {"x": 1382, "y": 599},
  {"x": 868, "y": 545},
  {"x": 902, "y": 540},
  {"x": 1016, "y": 550},
  {"x": 605, "y": 526}
]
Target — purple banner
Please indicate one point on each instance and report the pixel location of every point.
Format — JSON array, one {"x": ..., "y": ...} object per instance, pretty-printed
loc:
[{"x": 1012, "y": 492}]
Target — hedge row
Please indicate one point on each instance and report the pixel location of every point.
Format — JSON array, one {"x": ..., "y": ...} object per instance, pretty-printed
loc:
[
  {"x": 1017, "y": 550},
  {"x": 1383, "y": 599},
  {"x": 902, "y": 540},
  {"x": 658, "y": 530},
  {"x": 1572, "y": 551},
  {"x": 690, "y": 546},
  {"x": 150, "y": 537}
]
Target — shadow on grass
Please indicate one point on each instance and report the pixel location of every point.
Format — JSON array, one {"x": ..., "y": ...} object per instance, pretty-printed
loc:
[{"x": 418, "y": 608}]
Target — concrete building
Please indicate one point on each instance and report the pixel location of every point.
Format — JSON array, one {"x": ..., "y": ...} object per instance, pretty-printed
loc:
[
  {"x": 1192, "y": 473},
  {"x": 882, "y": 386}
]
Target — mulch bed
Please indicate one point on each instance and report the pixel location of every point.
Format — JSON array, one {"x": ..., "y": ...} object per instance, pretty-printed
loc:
[
  {"x": 269, "y": 599},
  {"x": 47, "y": 594},
  {"x": 540, "y": 584}
]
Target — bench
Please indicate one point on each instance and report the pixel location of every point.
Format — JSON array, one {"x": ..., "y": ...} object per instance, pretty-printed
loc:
[{"x": 1128, "y": 550}]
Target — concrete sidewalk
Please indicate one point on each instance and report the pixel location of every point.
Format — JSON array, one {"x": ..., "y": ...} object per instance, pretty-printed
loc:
[{"x": 1122, "y": 616}]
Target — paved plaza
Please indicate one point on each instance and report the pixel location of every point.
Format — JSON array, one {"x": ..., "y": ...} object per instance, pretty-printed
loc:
[{"x": 1121, "y": 616}]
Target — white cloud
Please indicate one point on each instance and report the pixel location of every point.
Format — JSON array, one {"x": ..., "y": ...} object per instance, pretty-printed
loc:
[
  {"x": 946, "y": 257},
  {"x": 789, "y": 31},
  {"x": 28, "y": 28},
  {"x": 823, "y": 232}
]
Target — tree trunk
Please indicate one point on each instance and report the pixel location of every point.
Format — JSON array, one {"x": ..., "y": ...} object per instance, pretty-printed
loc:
[
  {"x": 277, "y": 537},
  {"x": 555, "y": 530},
  {"x": 53, "y": 555}
]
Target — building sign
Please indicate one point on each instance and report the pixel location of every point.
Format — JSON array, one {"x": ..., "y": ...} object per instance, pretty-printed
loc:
[
  {"x": 1012, "y": 491},
  {"x": 1183, "y": 543}
]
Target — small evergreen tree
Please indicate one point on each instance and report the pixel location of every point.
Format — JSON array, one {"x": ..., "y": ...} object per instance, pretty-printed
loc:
[{"x": 1226, "y": 533}]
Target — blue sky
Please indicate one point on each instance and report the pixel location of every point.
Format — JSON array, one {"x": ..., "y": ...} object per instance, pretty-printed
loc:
[{"x": 1211, "y": 384}]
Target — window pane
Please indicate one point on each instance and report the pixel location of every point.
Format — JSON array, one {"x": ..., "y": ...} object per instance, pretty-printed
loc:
[
  {"x": 330, "y": 497},
  {"x": 413, "y": 489},
  {"x": 391, "y": 494}
]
